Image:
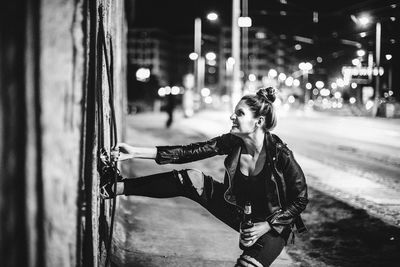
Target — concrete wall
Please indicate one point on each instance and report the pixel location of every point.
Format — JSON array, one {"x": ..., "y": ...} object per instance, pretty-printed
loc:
[{"x": 51, "y": 66}]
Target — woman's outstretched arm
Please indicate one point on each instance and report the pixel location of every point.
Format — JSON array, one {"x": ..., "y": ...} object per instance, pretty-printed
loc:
[{"x": 132, "y": 152}]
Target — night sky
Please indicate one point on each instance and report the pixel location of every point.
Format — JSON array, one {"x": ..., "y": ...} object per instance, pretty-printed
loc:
[
  {"x": 178, "y": 15},
  {"x": 334, "y": 22}
]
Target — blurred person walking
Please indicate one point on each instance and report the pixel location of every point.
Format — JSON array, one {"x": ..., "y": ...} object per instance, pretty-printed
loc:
[
  {"x": 169, "y": 108},
  {"x": 259, "y": 169}
]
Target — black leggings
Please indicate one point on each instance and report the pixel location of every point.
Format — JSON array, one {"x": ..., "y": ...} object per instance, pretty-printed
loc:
[{"x": 169, "y": 184}]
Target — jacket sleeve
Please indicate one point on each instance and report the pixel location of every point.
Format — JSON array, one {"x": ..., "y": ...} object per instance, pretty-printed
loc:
[
  {"x": 220, "y": 145},
  {"x": 296, "y": 192}
]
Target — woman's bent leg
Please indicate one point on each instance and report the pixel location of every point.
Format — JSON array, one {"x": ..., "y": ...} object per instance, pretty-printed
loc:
[{"x": 262, "y": 255}]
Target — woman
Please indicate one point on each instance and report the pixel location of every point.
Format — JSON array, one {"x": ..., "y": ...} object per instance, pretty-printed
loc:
[{"x": 258, "y": 168}]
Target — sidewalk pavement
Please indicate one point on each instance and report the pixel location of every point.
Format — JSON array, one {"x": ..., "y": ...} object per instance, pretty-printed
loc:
[{"x": 174, "y": 231}]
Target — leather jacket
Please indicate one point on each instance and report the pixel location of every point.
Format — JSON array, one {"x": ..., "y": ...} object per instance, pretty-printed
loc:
[{"x": 290, "y": 195}]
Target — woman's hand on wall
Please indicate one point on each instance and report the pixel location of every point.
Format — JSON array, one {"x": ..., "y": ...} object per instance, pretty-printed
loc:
[
  {"x": 131, "y": 152},
  {"x": 125, "y": 151}
]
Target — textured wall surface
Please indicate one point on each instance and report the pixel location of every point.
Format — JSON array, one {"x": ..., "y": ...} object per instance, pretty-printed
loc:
[{"x": 51, "y": 68}]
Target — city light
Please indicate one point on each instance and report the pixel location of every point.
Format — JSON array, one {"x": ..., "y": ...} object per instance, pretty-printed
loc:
[
  {"x": 354, "y": 85},
  {"x": 205, "y": 92},
  {"x": 325, "y": 92},
  {"x": 161, "y": 91},
  {"x": 244, "y": 22},
  {"x": 272, "y": 73},
  {"x": 282, "y": 76},
  {"x": 305, "y": 66},
  {"x": 212, "y": 16},
  {"x": 193, "y": 56},
  {"x": 291, "y": 99},
  {"x": 388, "y": 56},
  {"x": 340, "y": 82},
  {"x": 296, "y": 82},
  {"x": 208, "y": 100},
  {"x": 360, "y": 53},
  {"x": 356, "y": 62},
  {"x": 142, "y": 74},
  {"x": 252, "y": 77},
  {"x": 309, "y": 86},
  {"x": 211, "y": 63},
  {"x": 175, "y": 90},
  {"x": 338, "y": 95},
  {"x": 319, "y": 84},
  {"x": 333, "y": 85},
  {"x": 230, "y": 61},
  {"x": 364, "y": 20},
  {"x": 297, "y": 47},
  {"x": 211, "y": 56},
  {"x": 289, "y": 81}
]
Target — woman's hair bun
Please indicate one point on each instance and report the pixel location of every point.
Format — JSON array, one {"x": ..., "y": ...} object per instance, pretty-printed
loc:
[{"x": 267, "y": 93}]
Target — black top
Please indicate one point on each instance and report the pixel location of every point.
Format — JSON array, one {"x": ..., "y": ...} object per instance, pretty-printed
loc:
[{"x": 254, "y": 189}]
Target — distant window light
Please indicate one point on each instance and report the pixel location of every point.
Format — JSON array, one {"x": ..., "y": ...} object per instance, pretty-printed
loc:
[
  {"x": 212, "y": 62},
  {"x": 211, "y": 56},
  {"x": 244, "y": 22},
  {"x": 360, "y": 53},
  {"x": 364, "y": 20},
  {"x": 261, "y": 35},
  {"x": 212, "y": 16},
  {"x": 252, "y": 77},
  {"x": 193, "y": 56}
]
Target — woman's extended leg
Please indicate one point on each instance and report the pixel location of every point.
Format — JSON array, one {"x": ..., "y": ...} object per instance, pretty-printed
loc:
[
  {"x": 189, "y": 183},
  {"x": 160, "y": 185}
]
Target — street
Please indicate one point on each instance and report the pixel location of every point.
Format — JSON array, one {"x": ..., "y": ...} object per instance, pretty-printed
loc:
[
  {"x": 356, "y": 149},
  {"x": 364, "y": 146}
]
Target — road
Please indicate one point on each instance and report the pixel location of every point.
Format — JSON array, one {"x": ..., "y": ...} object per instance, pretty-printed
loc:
[{"x": 363, "y": 146}]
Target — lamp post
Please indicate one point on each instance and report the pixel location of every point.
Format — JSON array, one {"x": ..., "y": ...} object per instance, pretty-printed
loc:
[
  {"x": 378, "y": 63},
  {"x": 236, "y": 91},
  {"x": 198, "y": 58}
]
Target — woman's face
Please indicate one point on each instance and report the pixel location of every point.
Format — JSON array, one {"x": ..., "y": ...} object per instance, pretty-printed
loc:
[{"x": 243, "y": 121}]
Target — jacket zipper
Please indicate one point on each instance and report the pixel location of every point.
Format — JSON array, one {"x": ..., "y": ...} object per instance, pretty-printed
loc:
[
  {"x": 276, "y": 185},
  {"x": 230, "y": 186}
]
